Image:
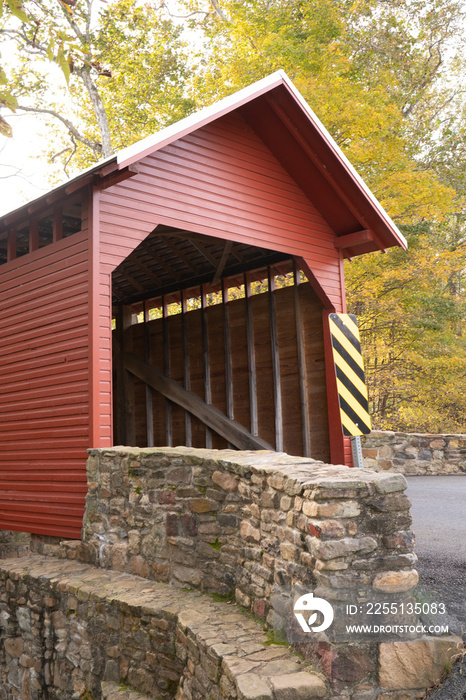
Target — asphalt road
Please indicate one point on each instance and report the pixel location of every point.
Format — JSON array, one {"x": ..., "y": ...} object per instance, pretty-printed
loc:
[{"x": 439, "y": 523}]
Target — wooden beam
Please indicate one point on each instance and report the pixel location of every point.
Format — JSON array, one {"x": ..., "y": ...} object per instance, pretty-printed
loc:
[
  {"x": 167, "y": 369},
  {"x": 251, "y": 357},
  {"x": 186, "y": 366},
  {"x": 125, "y": 386},
  {"x": 33, "y": 235},
  {"x": 57, "y": 224},
  {"x": 79, "y": 184},
  {"x": 277, "y": 388},
  {"x": 223, "y": 262},
  {"x": 305, "y": 266},
  {"x": 11, "y": 245},
  {"x": 147, "y": 358},
  {"x": 302, "y": 367},
  {"x": 232, "y": 431},
  {"x": 101, "y": 183},
  {"x": 352, "y": 240},
  {"x": 206, "y": 361},
  {"x": 228, "y": 360}
]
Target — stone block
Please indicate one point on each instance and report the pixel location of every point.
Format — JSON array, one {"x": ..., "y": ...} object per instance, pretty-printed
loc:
[
  {"x": 226, "y": 481},
  {"x": 252, "y": 687},
  {"x": 395, "y": 581},
  {"x": 203, "y": 505},
  {"x": 248, "y": 532},
  {"x": 333, "y": 549},
  {"x": 14, "y": 647},
  {"x": 298, "y": 686},
  {"x": 416, "y": 664}
]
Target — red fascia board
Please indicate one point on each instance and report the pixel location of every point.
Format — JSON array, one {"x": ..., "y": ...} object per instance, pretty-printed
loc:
[{"x": 326, "y": 156}]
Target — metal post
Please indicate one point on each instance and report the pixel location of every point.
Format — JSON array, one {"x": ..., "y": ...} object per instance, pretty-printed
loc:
[{"x": 357, "y": 452}]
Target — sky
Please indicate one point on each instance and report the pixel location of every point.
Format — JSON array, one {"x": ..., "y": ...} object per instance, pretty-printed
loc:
[{"x": 23, "y": 175}]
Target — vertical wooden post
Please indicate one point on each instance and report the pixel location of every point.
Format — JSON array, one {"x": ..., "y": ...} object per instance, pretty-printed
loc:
[
  {"x": 302, "y": 367},
  {"x": 33, "y": 235},
  {"x": 227, "y": 345},
  {"x": 277, "y": 389},
  {"x": 147, "y": 358},
  {"x": 206, "y": 362},
  {"x": 186, "y": 367},
  {"x": 57, "y": 224},
  {"x": 251, "y": 358},
  {"x": 11, "y": 245},
  {"x": 166, "y": 364},
  {"x": 228, "y": 361},
  {"x": 125, "y": 384}
]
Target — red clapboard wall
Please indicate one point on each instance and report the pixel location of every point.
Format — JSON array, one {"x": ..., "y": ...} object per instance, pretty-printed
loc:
[{"x": 44, "y": 396}]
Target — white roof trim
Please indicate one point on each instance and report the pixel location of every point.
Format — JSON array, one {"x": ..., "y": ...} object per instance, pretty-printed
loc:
[{"x": 175, "y": 131}]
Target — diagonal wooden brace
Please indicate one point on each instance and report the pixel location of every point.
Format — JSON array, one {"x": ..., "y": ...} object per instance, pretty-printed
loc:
[{"x": 229, "y": 429}]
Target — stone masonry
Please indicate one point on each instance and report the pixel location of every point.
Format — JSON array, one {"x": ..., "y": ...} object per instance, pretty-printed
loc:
[
  {"x": 129, "y": 609},
  {"x": 414, "y": 454},
  {"x": 72, "y": 631}
]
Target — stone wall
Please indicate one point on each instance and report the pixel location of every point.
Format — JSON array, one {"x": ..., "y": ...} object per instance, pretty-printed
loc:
[
  {"x": 238, "y": 523},
  {"x": 414, "y": 454},
  {"x": 75, "y": 632},
  {"x": 163, "y": 528}
]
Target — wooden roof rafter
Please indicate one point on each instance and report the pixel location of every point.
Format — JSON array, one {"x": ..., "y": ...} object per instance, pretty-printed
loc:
[{"x": 193, "y": 261}]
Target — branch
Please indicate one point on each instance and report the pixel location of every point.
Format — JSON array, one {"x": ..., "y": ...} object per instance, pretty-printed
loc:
[
  {"x": 191, "y": 14},
  {"x": 106, "y": 148},
  {"x": 95, "y": 146},
  {"x": 218, "y": 11}
]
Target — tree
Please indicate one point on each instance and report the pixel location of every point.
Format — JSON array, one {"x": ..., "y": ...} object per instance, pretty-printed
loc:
[
  {"x": 382, "y": 76},
  {"x": 123, "y": 69}
]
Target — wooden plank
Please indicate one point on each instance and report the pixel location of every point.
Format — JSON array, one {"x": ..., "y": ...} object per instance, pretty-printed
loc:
[
  {"x": 222, "y": 263},
  {"x": 232, "y": 431},
  {"x": 302, "y": 370},
  {"x": 351, "y": 240},
  {"x": 228, "y": 361},
  {"x": 251, "y": 358},
  {"x": 11, "y": 245},
  {"x": 206, "y": 362},
  {"x": 148, "y": 390},
  {"x": 277, "y": 391},
  {"x": 57, "y": 224},
  {"x": 166, "y": 364},
  {"x": 125, "y": 385},
  {"x": 186, "y": 366},
  {"x": 33, "y": 235}
]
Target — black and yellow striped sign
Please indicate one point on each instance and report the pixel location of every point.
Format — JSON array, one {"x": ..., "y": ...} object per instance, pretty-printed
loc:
[{"x": 349, "y": 368}]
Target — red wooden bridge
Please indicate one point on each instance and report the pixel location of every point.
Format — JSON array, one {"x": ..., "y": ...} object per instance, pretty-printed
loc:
[{"x": 217, "y": 248}]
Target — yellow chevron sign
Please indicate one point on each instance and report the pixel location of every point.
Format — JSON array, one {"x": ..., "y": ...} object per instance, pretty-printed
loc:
[{"x": 349, "y": 368}]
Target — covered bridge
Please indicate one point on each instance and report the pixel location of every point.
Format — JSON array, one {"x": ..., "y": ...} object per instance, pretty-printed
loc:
[{"x": 214, "y": 249}]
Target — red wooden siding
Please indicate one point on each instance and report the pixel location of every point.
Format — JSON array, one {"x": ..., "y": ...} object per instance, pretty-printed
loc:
[
  {"x": 44, "y": 396},
  {"x": 220, "y": 180}
]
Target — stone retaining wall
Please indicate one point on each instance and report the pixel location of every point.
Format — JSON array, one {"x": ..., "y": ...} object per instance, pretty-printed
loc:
[
  {"x": 414, "y": 454},
  {"x": 71, "y": 631},
  {"x": 238, "y": 523}
]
